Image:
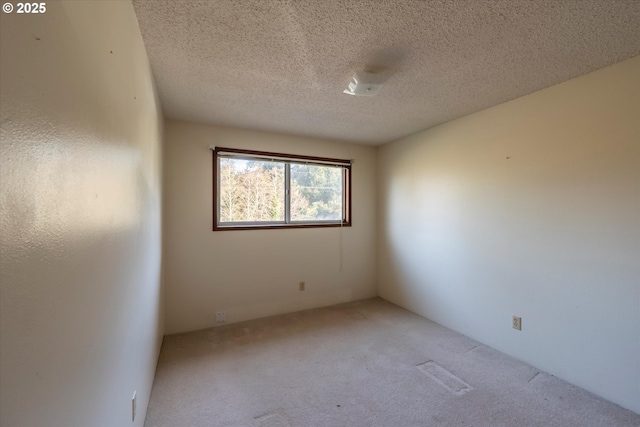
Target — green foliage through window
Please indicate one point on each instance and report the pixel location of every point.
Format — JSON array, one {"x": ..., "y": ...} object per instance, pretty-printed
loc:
[
  {"x": 251, "y": 191},
  {"x": 255, "y": 189}
]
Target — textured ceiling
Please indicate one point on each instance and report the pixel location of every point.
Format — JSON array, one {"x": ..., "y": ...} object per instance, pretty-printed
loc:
[{"x": 281, "y": 65}]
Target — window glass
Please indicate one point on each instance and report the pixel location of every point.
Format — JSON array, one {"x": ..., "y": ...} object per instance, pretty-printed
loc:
[
  {"x": 255, "y": 189},
  {"x": 251, "y": 191},
  {"x": 316, "y": 193}
]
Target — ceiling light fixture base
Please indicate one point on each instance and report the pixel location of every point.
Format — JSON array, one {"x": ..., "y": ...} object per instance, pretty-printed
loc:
[{"x": 366, "y": 84}]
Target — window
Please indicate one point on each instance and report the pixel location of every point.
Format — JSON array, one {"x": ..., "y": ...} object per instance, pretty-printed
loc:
[{"x": 255, "y": 189}]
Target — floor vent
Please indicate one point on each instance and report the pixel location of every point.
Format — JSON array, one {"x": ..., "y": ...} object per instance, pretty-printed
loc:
[{"x": 445, "y": 378}]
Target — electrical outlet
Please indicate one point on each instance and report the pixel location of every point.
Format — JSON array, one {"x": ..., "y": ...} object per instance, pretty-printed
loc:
[
  {"x": 221, "y": 317},
  {"x": 302, "y": 286},
  {"x": 133, "y": 407},
  {"x": 517, "y": 323}
]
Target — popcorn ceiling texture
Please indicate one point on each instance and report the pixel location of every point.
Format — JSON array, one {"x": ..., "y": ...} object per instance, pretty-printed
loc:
[{"x": 282, "y": 65}]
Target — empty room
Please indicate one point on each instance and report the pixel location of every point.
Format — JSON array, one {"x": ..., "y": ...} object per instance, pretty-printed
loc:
[{"x": 280, "y": 213}]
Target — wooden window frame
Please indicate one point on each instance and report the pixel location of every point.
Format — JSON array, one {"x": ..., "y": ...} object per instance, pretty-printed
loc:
[{"x": 285, "y": 158}]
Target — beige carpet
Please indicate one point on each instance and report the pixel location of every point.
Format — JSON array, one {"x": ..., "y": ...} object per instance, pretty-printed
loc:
[{"x": 368, "y": 363}]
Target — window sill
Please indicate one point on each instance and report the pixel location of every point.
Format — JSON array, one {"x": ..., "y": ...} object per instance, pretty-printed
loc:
[{"x": 277, "y": 226}]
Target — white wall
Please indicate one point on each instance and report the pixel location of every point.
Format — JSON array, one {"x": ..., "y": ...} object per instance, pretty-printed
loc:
[
  {"x": 530, "y": 208},
  {"x": 255, "y": 273},
  {"x": 80, "y": 200}
]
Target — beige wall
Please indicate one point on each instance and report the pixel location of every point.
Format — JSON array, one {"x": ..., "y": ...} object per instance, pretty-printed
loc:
[
  {"x": 80, "y": 199},
  {"x": 255, "y": 273},
  {"x": 529, "y": 208}
]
